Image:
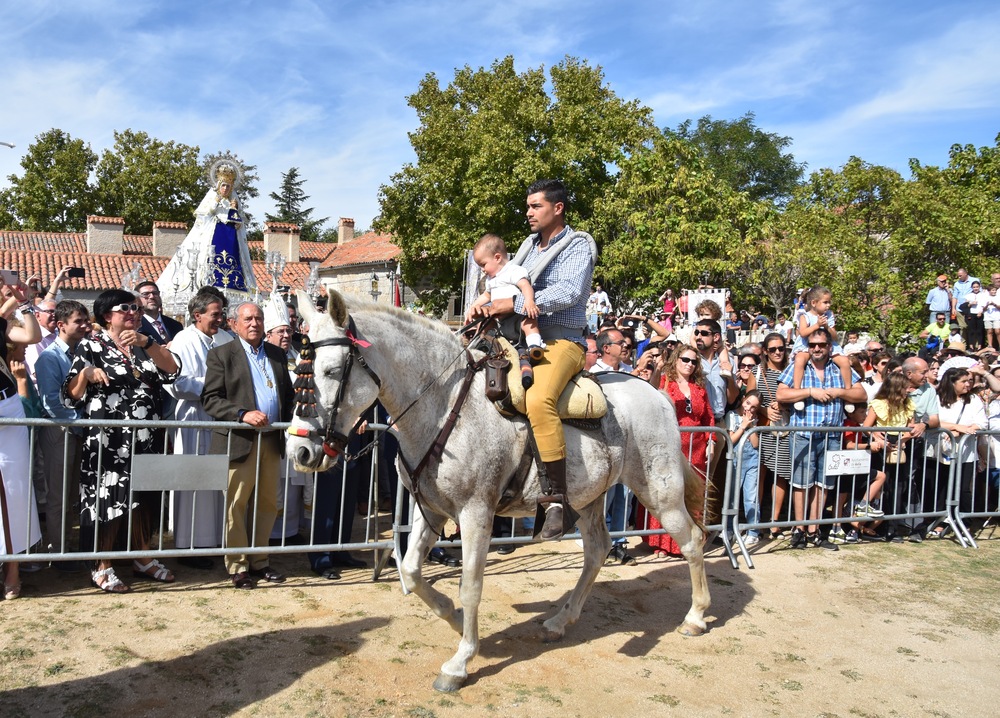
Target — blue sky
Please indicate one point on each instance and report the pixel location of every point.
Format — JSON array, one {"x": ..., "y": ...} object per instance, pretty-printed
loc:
[{"x": 322, "y": 86}]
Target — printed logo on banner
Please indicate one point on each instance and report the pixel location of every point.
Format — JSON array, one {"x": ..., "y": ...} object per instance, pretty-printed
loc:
[{"x": 852, "y": 461}]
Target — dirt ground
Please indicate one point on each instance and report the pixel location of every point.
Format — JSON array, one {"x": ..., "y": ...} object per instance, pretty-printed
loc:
[{"x": 872, "y": 630}]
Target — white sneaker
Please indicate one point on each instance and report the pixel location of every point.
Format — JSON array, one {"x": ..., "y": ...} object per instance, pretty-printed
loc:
[{"x": 750, "y": 540}]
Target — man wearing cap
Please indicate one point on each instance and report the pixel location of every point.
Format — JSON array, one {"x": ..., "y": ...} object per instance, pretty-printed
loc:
[
  {"x": 938, "y": 328},
  {"x": 939, "y": 298}
]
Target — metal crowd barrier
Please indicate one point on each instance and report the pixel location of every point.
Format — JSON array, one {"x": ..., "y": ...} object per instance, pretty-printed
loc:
[
  {"x": 164, "y": 473},
  {"x": 917, "y": 493},
  {"x": 920, "y": 491},
  {"x": 974, "y": 497}
]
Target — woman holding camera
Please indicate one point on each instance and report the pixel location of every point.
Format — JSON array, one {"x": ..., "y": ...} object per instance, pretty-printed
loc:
[{"x": 117, "y": 374}]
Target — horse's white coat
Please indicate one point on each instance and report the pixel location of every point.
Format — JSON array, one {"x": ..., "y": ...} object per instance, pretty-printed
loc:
[{"x": 638, "y": 445}]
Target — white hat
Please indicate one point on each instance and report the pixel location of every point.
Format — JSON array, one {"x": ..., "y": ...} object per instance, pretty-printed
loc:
[{"x": 275, "y": 313}]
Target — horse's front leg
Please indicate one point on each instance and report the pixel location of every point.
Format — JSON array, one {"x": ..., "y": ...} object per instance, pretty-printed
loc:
[
  {"x": 477, "y": 525},
  {"x": 422, "y": 539},
  {"x": 596, "y": 544}
]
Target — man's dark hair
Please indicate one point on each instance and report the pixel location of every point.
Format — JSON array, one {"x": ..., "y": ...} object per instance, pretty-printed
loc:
[
  {"x": 215, "y": 292},
  {"x": 824, "y": 332},
  {"x": 712, "y": 325},
  {"x": 67, "y": 308},
  {"x": 201, "y": 301},
  {"x": 554, "y": 191},
  {"x": 604, "y": 339},
  {"x": 147, "y": 283}
]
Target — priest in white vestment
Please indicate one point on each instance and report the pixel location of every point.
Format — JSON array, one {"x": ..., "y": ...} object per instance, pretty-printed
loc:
[{"x": 199, "y": 516}]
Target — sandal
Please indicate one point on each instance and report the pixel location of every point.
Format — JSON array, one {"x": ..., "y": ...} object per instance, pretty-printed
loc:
[
  {"x": 776, "y": 534},
  {"x": 870, "y": 534},
  {"x": 160, "y": 572},
  {"x": 111, "y": 582},
  {"x": 12, "y": 592}
]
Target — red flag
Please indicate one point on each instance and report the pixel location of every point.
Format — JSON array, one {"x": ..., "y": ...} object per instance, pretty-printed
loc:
[{"x": 396, "y": 299}]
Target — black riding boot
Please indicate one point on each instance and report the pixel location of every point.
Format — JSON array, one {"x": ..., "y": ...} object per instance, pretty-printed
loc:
[{"x": 559, "y": 517}]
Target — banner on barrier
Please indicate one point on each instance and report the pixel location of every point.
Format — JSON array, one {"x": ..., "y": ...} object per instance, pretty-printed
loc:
[{"x": 850, "y": 461}]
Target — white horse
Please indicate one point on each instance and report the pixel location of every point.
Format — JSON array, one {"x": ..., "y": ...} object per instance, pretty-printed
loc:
[{"x": 415, "y": 366}]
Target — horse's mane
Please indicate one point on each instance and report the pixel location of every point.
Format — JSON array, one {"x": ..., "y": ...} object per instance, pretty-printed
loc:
[{"x": 436, "y": 325}]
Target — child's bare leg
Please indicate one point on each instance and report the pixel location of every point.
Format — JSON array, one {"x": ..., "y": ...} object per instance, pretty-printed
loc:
[
  {"x": 798, "y": 371},
  {"x": 844, "y": 364}
]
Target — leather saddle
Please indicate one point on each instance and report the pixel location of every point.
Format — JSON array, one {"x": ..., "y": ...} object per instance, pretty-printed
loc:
[{"x": 581, "y": 400}]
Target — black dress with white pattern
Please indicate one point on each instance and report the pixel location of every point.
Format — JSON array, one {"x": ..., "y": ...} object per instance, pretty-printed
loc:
[{"x": 133, "y": 392}]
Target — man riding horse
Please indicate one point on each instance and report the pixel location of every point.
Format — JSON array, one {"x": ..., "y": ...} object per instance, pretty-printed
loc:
[{"x": 563, "y": 264}]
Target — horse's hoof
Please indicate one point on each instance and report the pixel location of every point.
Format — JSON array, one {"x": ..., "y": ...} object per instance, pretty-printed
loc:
[
  {"x": 690, "y": 629},
  {"x": 448, "y": 684},
  {"x": 550, "y": 636}
]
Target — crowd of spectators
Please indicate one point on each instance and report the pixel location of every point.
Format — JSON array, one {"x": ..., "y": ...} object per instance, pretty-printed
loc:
[
  {"x": 128, "y": 361},
  {"x": 947, "y": 389}
]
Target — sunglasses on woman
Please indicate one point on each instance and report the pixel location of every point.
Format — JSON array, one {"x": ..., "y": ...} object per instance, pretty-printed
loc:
[
  {"x": 687, "y": 360},
  {"x": 125, "y": 308}
]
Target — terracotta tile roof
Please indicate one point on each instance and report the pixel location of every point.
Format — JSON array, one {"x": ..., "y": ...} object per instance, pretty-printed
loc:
[
  {"x": 104, "y": 271},
  {"x": 44, "y": 241},
  {"x": 290, "y": 227},
  {"x": 98, "y": 219},
  {"x": 295, "y": 276},
  {"x": 162, "y": 224},
  {"x": 137, "y": 244},
  {"x": 132, "y": 244},
  {"x": 369, "y": 248},
  {"x": 308, "y": 251}
]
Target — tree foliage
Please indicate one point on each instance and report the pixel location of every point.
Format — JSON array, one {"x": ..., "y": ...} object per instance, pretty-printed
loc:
[
  {"x": 144, "y": 179},
  {"x": 746, "y": 157},
  {"x": 54, "y": 194},
  {"x": 483, "y": 139},
  {"x": 289, "y": 198},
  {"x": 669, "y": 221}
]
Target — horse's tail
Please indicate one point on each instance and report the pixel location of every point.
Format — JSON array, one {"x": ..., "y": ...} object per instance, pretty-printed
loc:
[{"x": 694, "y": 494}]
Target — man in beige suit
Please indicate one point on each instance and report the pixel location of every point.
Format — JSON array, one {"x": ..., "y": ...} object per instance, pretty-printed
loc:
[{"x": 247, "y": 381}]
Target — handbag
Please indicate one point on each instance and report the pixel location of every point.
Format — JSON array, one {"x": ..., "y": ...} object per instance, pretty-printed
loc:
[{"x": 895, "y": 455}]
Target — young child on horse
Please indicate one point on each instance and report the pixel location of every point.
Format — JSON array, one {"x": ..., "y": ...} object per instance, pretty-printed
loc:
[{"x": 505, "y": 281}]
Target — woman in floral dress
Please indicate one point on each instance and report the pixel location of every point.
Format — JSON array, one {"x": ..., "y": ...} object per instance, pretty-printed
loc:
[{"x": 116, "y": 374}]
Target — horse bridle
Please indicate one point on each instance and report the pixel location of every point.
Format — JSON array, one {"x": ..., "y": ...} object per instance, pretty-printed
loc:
[{"x": 305, "y": 387}]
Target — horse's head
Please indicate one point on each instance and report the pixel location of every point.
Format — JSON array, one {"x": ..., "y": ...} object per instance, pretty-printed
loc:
[{"x": 334, "y": 386}]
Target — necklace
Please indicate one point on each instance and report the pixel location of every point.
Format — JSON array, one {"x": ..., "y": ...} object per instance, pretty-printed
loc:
[
  {"x": 260, "y": 359},
  {"x": 126, "y": 353}
]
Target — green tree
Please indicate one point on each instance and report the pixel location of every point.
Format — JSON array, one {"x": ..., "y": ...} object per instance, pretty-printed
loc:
[
  {"x": 289, "y": 198},
  {"x": 144, "y": 179},
  {"x": 668, "y": 221},
  {"x": 483, "y": 139},
  {"x": 54, "y": 194},
  {"x": 748, "y": 158}
]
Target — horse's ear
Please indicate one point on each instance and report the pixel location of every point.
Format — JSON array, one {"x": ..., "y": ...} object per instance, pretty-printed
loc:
[
  {"x": 306, "y": 307},
  {"x": 337, "y": 307}
]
